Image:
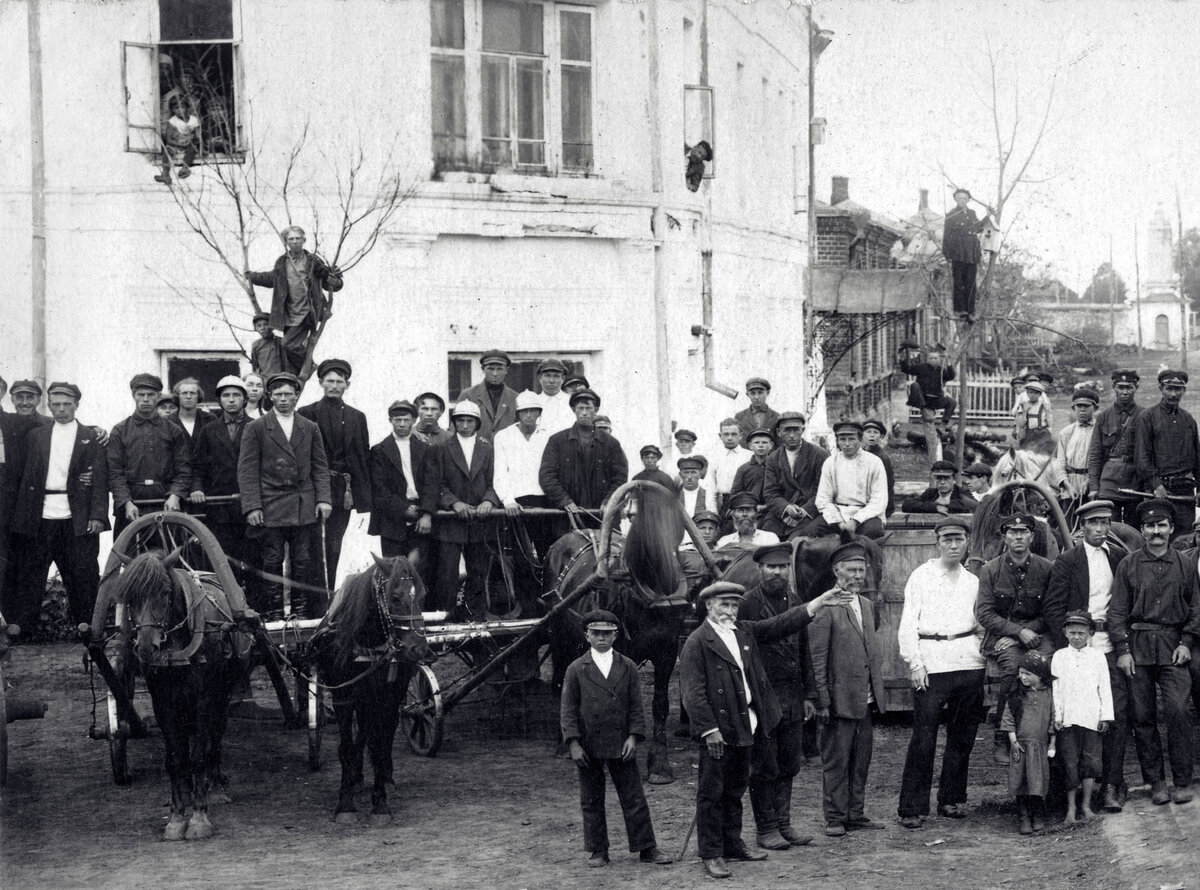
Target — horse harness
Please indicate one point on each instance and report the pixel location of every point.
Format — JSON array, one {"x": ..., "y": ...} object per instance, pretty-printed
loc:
[{"x": 202, "y": 601}]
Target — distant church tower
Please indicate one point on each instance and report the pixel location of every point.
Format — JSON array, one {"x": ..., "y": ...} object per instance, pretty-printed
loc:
[
  {"x": 1160, "y": 253},
  {"x": 1159, "y": 304}
]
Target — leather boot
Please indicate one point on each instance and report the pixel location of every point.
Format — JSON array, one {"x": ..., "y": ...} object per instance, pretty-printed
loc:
[
  {"x": 1159, "y": 794},
  {"x": 1110, "y": 802},
  {"x": 1026, "y": 825}
]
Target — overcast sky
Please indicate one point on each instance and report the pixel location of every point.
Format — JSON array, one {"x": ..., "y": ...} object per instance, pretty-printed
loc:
[{"x": 903, "y": 83}]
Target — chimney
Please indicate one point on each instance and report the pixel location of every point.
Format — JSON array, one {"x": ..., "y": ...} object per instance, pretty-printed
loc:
[
  {"x": 923, "y": 203},
  {"x": 840, "y": 191}
]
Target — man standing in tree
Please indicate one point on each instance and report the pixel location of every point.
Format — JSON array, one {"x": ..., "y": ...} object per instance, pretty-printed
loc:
[{"x": 960, "y": 247}]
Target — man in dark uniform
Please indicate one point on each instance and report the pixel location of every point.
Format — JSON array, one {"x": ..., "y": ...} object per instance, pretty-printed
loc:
[
  {"x": 1111, "y": 457},
  {"x": 1011, "y": 609},
  {"x": 61, "y": 509},
  {"x": 960, "y": 247},
  {"x": 945, "y": 496},
  {"x": 873, "y": 434},
  {"x": 758, "y": 416},
  {"x": 729, "y": 701},
  {"x": 1167, "y": 450},
  {"x": 776, "y": 756},
  {"x": 582, "y": 466},
  {"x": 751, "y": 477},
  {"x": 496, "y": 400},
  {"x": 927, "y": 392},
  {"x": 793, "y": 474},
  {"x": 344, "y": 434},
  {"x": 397, "y": 468},
  {"x": 148, "y": 458},
  {"x": 1154, "y": 622}
]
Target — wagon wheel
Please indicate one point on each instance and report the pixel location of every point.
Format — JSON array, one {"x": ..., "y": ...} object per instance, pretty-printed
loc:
[
  {"x": 315, "y": 719},
  {"x": 118, "y": 735},
  {"x": 421, "y": 713},
  {"x": 3, "y": 732}
]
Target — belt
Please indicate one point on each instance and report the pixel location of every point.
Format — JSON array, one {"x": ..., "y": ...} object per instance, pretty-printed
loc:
[
  {"x": 55, "y": 491},
  {"x": 1077, "y": 470},
  {"x": 1100, "y": 624},
  {"x": 1148, "y": 625},
  {"x": 969, "y": 633}
]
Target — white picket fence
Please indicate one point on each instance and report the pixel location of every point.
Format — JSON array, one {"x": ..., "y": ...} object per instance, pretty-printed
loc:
[{"x": 989, "y": 399}]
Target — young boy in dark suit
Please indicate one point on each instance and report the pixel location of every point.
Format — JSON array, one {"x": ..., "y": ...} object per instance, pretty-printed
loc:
[{"x": 602, "y": 722}]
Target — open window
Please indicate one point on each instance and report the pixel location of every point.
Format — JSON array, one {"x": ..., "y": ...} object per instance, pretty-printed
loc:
[
  {"x": 464, "y": 370},
  {"x": 207, "y": 367}
]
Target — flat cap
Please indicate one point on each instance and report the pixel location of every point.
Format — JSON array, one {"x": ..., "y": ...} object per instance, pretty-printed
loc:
[
  {"x": 909, "y": 344},
  {"x": 741, "y": 499},
  {"x": 604, "y": 420},
  {"x": 402, "y": 406},
  {"x": 849, "y": 550},
  {"x": 943, "y": 467},
  {"x": 692, "y": 462},
  {"x": 1086, "y": 395},
  {"x": 276, "y": 380},
  {"x": 766, "y": 551},
  {"x": 168, "y": 398},
  {"x": 1035, "y": 384},
  {"x": 706, "y": 516},
  {"x": 1019, "y": 380},
  {"x": 261, "y": 316},
  {"x": 978, "y": 469},
  {"x": 1095, "y": 508},
  {"x": 1018, "y": 521},
  {"x": 847, "y": 426},
  {"x": 651, "y": 449},
  {"x": 1080, "y": 617},
  {"x": 953, "y": 522},
  {"x": 231, "y": 380},
  {"x": 142, "y": 381},
  {"x": 793, "y": 416},
  {"x": 721, "y": 589},
  {"x": 875, "y": 425},
  {"x": 1155, "y": 510},
  {"x": 63, "y": 388},
  {"x": 551, "y": 364},
  {"x": 1172, "y": 377},
  {"x": 27, "y": 386},
  {"x": 761, "y": 432},
  {"x": 600, "y": 619},
  {"x": 1125, "y": 375},
  {"x": 527, "y": 400},
  {"x": 431, "y": 395},
  {"x": 758, "y": 383},
  {"x": 576, "y": 379},
  {"x": 682, "y": 433},
  {"x": 495, "y": 355},
  {"x": 583, "y": 395},
  {"x": 334, "y": 364}
]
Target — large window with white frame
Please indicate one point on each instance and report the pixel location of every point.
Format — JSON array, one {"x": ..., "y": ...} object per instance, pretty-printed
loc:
[{"x": 512, "y": 86}]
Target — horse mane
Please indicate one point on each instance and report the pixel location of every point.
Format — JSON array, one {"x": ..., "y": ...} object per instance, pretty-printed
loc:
[
  {"x": 145, "y": 577},
  {"x": 352, "y": 607},
  {"x": 653, "y": 541}
]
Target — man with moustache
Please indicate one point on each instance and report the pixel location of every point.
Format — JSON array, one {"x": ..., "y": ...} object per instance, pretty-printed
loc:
[
  {"x": 1167, "y": 450},
  {"x": 1111, "y": 456},
  {"x": 746, "y": 533}
]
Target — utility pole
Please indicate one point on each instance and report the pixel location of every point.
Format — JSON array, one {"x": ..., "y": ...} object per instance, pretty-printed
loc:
[
  {"x": 1112, "y": 296},
  {"x": 1183, "y": 309},
  {"x": 37, "y": 193},
  {"x": 1137, "y": 289}
]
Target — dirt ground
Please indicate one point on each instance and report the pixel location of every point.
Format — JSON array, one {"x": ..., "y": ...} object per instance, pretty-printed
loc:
[{"x": 493, "y": 809}]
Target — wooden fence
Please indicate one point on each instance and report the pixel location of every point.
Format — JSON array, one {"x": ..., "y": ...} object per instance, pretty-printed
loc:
[{"x": 989, "y": 399}]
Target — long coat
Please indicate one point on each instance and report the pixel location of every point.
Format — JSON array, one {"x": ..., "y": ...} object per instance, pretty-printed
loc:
[
  {"x": 711, "y": 682},
  {"x": 286, "y": 480},
  {"x": 87, "y": 502},
  {"x": 449, "y": 480},
  {"x": 215, "y": 470},
  {"x": 356, "y": 444},
  {"x": 566, "y": 477},
  {"x": 782, "y": 486},
  {"x": 392, "y": 492},
  {"x": 1069, "y": 589},
  {"x": 602, "y": 712},
  {"x": 276, "y": 279},
  {"x": 960, "y": 241},
  {"x": 13, "y": 433},
  {"x": 847, "y": 660},
  {"x": 491, "y": 420}
]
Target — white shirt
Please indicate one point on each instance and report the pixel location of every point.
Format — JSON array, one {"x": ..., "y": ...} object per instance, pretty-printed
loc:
[
  {"x": 729, "y": 638},
  {"x": 603, "y": 661},
  {"x": 189, "y": 425},
  {"x": 404, "y": 446},
  {"x": 938, "y": 600},
  {"x": 62, "y": 443},
  {"x": 286, "y": 422},
  {"x": 467, "y": 443},
  {"x": 690, "y": 498},
  {"x": 517, "y": 463},
  {"x": 761, "y": 538},
  {"x": 725, "y": 466},
  {"x": 1082, "y": 694},
  {"x": 556, "y": 413},
  {"x": 1074, "y": 441},
  {"x": 852, "y": 488},
  {"x": 1100, "y": 579}
]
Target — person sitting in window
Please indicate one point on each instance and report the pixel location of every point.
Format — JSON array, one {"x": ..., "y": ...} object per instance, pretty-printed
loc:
[{"x": 179, "y": 143}]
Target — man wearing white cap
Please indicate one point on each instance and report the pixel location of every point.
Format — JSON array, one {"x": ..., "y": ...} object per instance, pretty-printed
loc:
[{"x": 518, "y": 460}]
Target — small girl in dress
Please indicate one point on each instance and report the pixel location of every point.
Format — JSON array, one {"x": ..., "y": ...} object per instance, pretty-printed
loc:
[{"x": 1029, "y": 721}]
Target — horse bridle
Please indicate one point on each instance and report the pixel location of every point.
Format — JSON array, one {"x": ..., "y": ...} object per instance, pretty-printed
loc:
[{"x": 412, "y": 622}]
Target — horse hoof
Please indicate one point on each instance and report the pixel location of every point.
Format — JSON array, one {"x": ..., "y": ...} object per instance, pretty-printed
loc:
[
  {"x": 176, "y": 828},
  {"x": 199, "y": 827},
  {"x": 378, "y": 820},
  {"x": 346, "y": 817}
]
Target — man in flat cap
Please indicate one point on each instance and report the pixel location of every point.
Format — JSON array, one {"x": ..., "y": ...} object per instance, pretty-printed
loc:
[
  {"x": 519, "y": 450},
  {"x": 874, "y": 432},
  {"x": 266, "y": 353},
  {"x": 978, "y": 477},
  {"x": 148, "y": 458},
  {"x": 726, "y": 461},
  {"x": 283, "y": 477},
  {"x": 1032, "y": 414},
  {"x": 961, "y": 248},
  {"x": 574, "y": 383},
  {"x": 746, "y": 534},
  {"x": 26, "y": 395},
  {"x": 397, "y": 471},
  {"x": 556, "y": 403},
  {"x": 14, "y": 428},
  {"x": 602, "y": 722},
  {"x": 650, "y": 456},
  {"x": 1081, "y": 579},
  {"x": 1012, "y": 609},
  {"x": 497, "y": 400},
  {"x": 582, "y": 466},
  {"x": 793, "y": 473},
  {"x": 694, "y": 496},
  {"x": 847, "y": 660},
  {"x": 347, "y": 444},
  {"x": 430, "y": 408},
  {"x": 927, "y": 393},
  {"x": 60, "y": 511},
  {"x": 685, "y": 446},
  {"x": 944, "y": 496},
  {"x": 759, "y": 416},
  {"x": 1112, "y": 456},
  {"x": 1154, "y": 623},
  {"x": 729, "y": 700},
  {"x": 1075, "y": 444},
  {"x": 852, "y": 493},
  {"x": 604, "y": 423},
  {"x": 751, "y": 477},
  {"x": 298, "y": 304},
  {"x": 776, "y": 756},
  {"x": 1167, "y": 448},
  {"x": 938, "y": 637}
]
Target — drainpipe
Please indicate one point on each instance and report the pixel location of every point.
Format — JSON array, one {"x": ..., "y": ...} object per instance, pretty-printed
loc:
[
  {"x": 37, "y": 193},
  {"x": 662, "y": 359}
]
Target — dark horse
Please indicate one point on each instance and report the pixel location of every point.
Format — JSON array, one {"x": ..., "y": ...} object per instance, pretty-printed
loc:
[
  {"x": 365, "y": 649},
  {"x": 643, "y": 588},
  {"x": 188, "y": 648}
]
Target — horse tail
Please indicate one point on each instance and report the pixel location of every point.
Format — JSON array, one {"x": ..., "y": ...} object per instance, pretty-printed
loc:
[
  {"x": 651, "y": 548},
  {"x": 145, "y": 576}
]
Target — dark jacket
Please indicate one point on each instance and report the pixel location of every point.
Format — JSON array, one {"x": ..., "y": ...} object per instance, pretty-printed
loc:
[
  {"x": 847, "y": 660},
  {"x": 215, "y": 470},
  {"x": 565, "y": 477},
  {"x": 782, "y": 486},
  {"x": 786, "y": 661},
  {"x": 318, "y": 276},
  {"x": 602, "y": 713},
  {"x": 1069, "y": 588},
  {"x": 203, "y": 419},
  {"x": 1112, "y": 455},
  {"x": 492, "y": 420},
  {"x": 1155, "y": 606},
  {"x": 748, "y": 421},
  {"x": 1004, "y": 606},
  {"x": 931, "y": 378},
  {"x": 13, "y": 429},
  {"x": 658, "y": 476},
  {"x": 286, "y": 480},
  {"x": 148, "y": 459},
  {"x": 449, "y": 480},
  {"x": 926, "y": 502},
  {"x": 960, "y": 243},
  {"x": 392, "y": 492},
  {"x": 355, "y": 445},
  {"x": 87, "y": 502},
  {"x": 711, "y": 683},
  {"x": 752, "y": 477},
  {"x": 880, "y": 452}
]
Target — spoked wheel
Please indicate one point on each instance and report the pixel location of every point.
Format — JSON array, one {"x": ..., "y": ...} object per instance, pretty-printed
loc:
[
  {"x": 118, "y": 735},
  {"x": 315, "y": 719},
  {"x": 421, "y": 714}
]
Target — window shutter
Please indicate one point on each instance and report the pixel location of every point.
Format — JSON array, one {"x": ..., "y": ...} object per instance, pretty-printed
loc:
[{"x": 139, "y": 83}]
